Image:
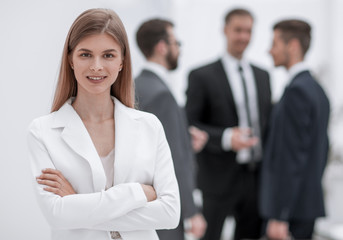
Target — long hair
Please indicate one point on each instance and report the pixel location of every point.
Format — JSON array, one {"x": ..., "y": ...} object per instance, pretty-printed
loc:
[{"x": 90, "y": 22}]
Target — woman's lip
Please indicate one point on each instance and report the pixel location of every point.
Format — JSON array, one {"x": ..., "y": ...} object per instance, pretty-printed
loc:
[{"x": 96, "y": 78}]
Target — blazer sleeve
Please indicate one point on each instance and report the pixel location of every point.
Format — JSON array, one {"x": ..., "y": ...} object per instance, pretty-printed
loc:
[
  {"x": 293, "y": 137},
  {"x": 197, "y": 109},
  {"x": 163, "y": 213},
  {"x": 85, "y": 210}
]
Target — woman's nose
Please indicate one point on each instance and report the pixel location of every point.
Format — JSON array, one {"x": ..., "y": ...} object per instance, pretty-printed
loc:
[{"x": 96, "y": 65}]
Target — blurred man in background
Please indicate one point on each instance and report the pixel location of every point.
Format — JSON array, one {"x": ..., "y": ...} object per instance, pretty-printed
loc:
[
  {"x": 297, "y": 144},
  {"x": 231, "y": 100},
  {"x": 157, "y": 41}
]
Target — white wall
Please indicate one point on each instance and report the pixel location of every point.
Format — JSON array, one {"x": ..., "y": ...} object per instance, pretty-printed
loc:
[{"x": 33, "y": 34}]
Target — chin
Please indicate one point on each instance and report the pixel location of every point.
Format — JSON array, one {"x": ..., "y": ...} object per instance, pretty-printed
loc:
[{"x": 278, "y": 64}]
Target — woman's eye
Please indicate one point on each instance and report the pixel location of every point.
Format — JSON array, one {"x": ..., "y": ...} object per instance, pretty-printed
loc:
[
  {"x": 108, "y": 55},
  {"x": 85, "y": 55}
]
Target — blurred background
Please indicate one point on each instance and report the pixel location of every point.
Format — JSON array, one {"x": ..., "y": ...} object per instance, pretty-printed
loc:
[{"x": 33, "y": 35}]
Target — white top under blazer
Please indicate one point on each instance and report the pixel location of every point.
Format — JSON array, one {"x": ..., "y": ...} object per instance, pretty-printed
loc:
[{"x": 142, "y": 155}]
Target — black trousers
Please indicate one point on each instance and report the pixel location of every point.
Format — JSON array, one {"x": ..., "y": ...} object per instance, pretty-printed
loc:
[
  {"x": 300, "y": 229},
  {"x": 241, "y": 204}
]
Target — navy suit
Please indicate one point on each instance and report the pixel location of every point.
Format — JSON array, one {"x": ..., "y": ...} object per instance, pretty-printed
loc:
[{"x": 296, "y": 153}]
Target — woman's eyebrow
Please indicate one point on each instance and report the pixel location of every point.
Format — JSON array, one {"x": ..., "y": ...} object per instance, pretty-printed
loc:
[
  {"x": 105, "y": 51},
  {"x": 84, "y": 50},
  {"x": 110, "y": 50}
]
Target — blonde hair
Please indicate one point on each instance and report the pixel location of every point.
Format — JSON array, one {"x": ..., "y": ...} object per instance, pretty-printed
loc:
[{"x": 90, "y": 22}]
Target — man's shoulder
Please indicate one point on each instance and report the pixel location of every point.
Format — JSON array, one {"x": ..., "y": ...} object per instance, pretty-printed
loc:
[
  {"x": 303, "y": 80},
  {"x": 258, "y": 69},
  {"x": 148, "y": 80},
  {"x": 146, "y": 75},
  {"x": 208, "y": 68},
  {"x": 308, "y": 84},
  {"x": 150, "y": 89}
]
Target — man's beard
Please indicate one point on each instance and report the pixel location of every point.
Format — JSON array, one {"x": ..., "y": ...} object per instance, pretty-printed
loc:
[{"x": 172, "y": 61}]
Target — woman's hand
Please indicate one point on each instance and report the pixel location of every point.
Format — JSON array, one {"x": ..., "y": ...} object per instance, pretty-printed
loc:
[
  {"x": 55, "y": 182},
  {"x": 150, "y": 192}
]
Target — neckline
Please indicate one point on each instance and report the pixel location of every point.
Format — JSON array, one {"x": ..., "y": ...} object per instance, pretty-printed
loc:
[{"x": 106, "y": 156}]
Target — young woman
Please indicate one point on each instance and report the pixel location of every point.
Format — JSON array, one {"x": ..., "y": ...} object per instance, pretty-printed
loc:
[{"x": 103, "y": 169}]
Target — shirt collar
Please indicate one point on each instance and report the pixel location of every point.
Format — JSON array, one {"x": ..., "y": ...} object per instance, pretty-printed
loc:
[
  {"x": 296, "y": 69},
  {"x": 230, "y": 60},
  {"x": 158, "y": 69}
]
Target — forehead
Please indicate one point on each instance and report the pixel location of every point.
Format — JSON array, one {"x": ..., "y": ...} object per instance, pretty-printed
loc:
[
  {"x": 98, "y": 41},
  {"x": 240, "y": 21},
  {"x": 170, "y": 31},
  {"x": 277, "y": 34}
]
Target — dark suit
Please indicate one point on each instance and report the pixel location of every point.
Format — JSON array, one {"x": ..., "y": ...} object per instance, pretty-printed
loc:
[
  {"x": 223, "y": 182},
  {"x": 154, "y": 96},
  {"x": 296, "y": 153}
]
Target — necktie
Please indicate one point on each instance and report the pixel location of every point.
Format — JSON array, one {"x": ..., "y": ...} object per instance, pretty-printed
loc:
[
  {"x": 247, "y": 108},
  {"x": 246, "y": 97}
]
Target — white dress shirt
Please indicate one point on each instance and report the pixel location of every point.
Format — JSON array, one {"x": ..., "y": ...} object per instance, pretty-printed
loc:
[
  {"x": 159, "y": 70},
  {"x": 231, "y": 66},
  {"x": 108, "y": 164}
]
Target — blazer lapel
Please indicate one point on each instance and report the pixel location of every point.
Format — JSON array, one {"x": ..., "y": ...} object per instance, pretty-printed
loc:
[
  {"x": 77, "y": 137},
  {"x": 261, "y": 94},
  {"x": 222, "y": 77},
  {"x": 126, "y": 142}
]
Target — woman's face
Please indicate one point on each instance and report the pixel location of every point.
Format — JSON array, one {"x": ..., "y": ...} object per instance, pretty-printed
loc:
[{"x": 96, "y": 61}]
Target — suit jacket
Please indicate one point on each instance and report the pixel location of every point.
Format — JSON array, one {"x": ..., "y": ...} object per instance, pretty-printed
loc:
[
  {"x": 61, "y": 141},
  {"x": 154, "y": 96},
  {"x": 211, "y": 107},
  {"x": 296, "y": 153}
]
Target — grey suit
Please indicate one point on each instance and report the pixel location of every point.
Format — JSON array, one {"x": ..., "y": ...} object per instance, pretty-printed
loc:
[{"x": 154, "y": 96}]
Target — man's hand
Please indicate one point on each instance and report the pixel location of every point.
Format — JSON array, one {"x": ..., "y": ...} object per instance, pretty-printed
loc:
[
  {"x": 199, "y": 138},
  {"x": 277, "y": 230},
  {"x": 197, "y": 226},
  {"x": 241, "y": 139}
]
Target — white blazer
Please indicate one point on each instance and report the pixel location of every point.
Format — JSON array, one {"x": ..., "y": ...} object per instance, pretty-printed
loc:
[{"x": 61, "y": 141}]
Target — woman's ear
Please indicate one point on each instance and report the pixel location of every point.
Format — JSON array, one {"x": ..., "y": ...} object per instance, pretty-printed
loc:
[{"x": 70, "y": 60}]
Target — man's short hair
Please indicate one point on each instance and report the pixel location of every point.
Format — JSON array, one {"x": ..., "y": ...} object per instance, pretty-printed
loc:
[
  {"x": 237, "y": 12},
  {"x": 297, "y": 29},
  {"x": 150, "y": 33}
]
